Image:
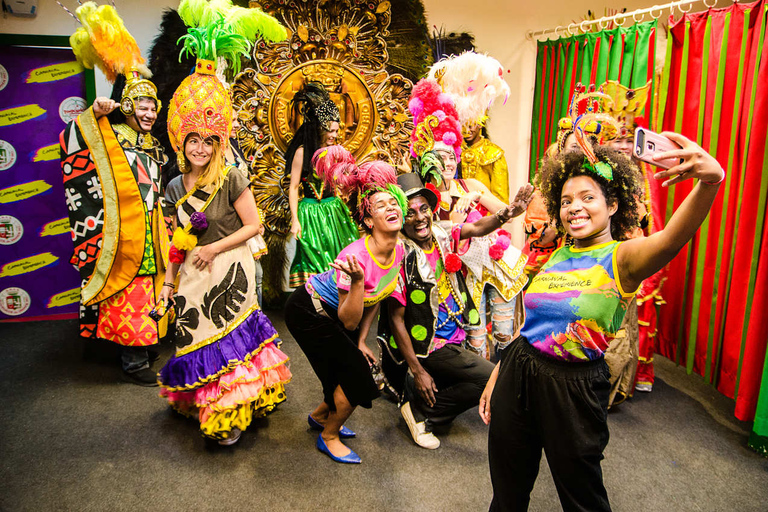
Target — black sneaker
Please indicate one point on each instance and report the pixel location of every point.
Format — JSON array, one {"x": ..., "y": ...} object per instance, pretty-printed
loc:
[
  {"x": 153, "y": 355},
  {"x": 144, "y": 377}
]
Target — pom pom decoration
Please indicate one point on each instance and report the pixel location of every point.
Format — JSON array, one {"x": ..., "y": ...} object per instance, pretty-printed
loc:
[
  {"x": 183, "y": 241},
  {"x": 331, "y": 162},
  {"x": 495, "y": 252},
  {"x": 176, "y": 256},
  {"x": 473, "y": 216},
  {"x": 435, "y": 119},
  {"x": 503, "y": 232},
  {"x": 198, "y": 220},
  {"x": 452, "y": 263},
  {"x": 503, "y": 242}
]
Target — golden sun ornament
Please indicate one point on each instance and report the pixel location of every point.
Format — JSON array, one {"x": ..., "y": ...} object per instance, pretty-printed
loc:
[{"x": 341, "y": 44}]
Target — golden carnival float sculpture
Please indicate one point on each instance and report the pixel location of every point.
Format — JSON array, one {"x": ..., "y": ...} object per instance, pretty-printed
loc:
[{"x": 340, "y": 43}]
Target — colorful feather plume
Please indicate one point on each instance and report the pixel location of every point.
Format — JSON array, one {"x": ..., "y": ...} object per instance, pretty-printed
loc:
[
  {"x": 335, "y": 165},
  {"x": 217, "y": 29},
  {"x": 474, "y": 81},
  {"x": 103, "y": 41},
  {"x": 434, "y": 118}
]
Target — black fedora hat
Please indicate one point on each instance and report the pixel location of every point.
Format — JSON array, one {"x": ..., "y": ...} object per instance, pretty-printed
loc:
[{"x": 411, "y": 184}]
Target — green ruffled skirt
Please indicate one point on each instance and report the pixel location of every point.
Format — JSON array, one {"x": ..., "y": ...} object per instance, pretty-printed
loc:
[{"x": 326, "y": 228}]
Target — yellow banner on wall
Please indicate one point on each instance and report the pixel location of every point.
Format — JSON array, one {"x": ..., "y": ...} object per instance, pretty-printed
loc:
[{"x": 54, "y": 72}]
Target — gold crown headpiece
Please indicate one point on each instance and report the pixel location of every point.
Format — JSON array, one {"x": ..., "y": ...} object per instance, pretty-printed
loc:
[
  {"x": 137, "y": 87},
  {"x": 626, "y": 106},
  {"x": 586, "y": 118}
]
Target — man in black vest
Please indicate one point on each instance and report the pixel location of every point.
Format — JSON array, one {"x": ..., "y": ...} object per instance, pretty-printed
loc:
[{"x": 422, "y": 323}]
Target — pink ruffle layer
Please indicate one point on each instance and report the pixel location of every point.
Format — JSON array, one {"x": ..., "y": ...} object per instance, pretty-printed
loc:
[{"x": 244, "y": 384}]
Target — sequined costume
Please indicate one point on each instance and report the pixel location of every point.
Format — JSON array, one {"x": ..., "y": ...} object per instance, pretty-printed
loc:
[
  {"x": 485, "y": 162},
  {"x": 227, "y": 368}
]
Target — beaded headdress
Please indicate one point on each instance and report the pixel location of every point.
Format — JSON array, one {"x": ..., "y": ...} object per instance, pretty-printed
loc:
[
  {"x": 587, "y": 119},
  {"x": 103, "y": 41},
  {"x": 626, "y": 106},
  {"x": 435, "y": 120},
  {"x": 474, "y": 81},
  {"x": 316, "y": 103},
  {"x": 201, "y": 104}
]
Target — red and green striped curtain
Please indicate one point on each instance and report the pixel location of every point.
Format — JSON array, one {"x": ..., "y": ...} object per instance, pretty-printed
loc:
[
  {"x": 623, "y": 54},
  {"x": 714, "y": 90}
]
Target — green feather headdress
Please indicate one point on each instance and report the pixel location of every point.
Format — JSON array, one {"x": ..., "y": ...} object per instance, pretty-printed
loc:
[
  {"x": 431, "y": 166},
  {"x": 217, "y": 29}
]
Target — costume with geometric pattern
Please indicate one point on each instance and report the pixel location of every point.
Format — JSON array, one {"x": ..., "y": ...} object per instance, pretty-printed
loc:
[{"x": 112, "y": 188}]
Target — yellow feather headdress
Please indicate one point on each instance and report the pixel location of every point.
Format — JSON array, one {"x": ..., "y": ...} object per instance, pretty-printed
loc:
[{"x": 103, "y": 41}]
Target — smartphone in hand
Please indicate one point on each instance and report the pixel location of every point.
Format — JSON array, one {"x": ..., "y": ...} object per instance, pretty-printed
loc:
[
  {"x": 159, "y": 311},
  {"x": 648, "y": 143}
]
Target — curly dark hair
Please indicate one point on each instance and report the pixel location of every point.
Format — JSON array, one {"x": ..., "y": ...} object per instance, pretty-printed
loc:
[{"x": 624, "y": 189}]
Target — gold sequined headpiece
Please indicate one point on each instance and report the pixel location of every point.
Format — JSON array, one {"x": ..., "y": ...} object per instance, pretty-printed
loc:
[
  {"x": 626, "y": 106},
  {"x": 137, "y": 87}
]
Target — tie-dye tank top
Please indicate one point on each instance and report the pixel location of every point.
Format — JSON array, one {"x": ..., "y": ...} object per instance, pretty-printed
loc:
[{"x": 575, "y": 304}]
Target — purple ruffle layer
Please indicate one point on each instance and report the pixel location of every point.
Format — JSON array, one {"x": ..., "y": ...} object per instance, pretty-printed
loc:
[{"x": 204, "y": 364}]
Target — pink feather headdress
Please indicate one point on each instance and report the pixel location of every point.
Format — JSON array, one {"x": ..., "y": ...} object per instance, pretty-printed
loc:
[{"x": 435, "y": 119}]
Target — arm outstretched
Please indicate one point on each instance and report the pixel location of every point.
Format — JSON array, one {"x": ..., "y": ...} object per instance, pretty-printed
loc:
[{"x": 642, "y": 257}]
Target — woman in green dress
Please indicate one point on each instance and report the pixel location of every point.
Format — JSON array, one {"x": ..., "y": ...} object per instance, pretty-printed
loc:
[{"x": 320, "y": 221}]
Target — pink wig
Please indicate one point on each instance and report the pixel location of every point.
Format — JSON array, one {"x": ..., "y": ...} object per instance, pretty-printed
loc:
[
  {"x": 371, "y": 177},
  {"x": 326, "y": 159}
]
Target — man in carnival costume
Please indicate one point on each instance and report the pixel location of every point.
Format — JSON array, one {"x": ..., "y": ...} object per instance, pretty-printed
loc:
[
  {"x": 112, "y": 182},
  {"x": 474, "y": 81},
  {"x": 495, "y": 269},
  {"x": 627, "y": 107},
  {"x": 423, "y": 323}
]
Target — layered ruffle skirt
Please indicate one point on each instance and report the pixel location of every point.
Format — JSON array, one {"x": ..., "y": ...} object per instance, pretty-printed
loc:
[
  {"x": 326, "y": 229},
  {"x": 227, "y": 367}
]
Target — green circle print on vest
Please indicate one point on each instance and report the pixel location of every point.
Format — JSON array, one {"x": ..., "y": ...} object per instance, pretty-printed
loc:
[
  {"x": 418, "y": 296},
  {"x": 474, "y": 316},
  {"x": 419, "y": 332}
]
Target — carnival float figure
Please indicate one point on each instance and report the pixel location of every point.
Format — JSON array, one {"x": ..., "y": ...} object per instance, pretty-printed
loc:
[
  {"x": 227, "y": 368},
  {"x": 330, "y": 315},
  {"x": 495, "y": 269},
  {"x": 111, "y": 171},
  {"x": 320, "y": 221}
]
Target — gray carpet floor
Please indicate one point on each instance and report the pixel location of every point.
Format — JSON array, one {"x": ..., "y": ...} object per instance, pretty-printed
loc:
[{"x": 74, "y": 437}]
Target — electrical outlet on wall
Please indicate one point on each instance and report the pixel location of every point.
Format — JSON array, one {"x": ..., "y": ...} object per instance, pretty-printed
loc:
[{"x": 26, "y": 8}]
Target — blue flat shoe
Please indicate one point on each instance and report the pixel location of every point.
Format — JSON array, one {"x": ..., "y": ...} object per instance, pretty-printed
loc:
[
  {"x": 350, "y": 458},
  {"x": 344, "y": 432}
]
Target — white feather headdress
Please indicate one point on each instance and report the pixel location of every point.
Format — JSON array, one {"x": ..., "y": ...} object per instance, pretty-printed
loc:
[{"x": 474, "y": 81}]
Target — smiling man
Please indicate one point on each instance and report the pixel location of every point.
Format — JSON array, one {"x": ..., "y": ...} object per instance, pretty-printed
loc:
[
  {"x": 423, "y": 322},
  {"x": 112, "y": 166}
]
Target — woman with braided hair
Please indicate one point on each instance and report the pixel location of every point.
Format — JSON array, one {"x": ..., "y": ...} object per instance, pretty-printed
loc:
[
  {"x": 320, "y": 222},
  {"x": 551, "y": 389},
  {"x": 330, "y": 316}
]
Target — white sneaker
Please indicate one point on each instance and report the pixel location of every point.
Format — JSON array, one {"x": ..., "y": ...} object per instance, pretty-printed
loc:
[
  {"x": 643, "y": 387},
  {"x": 418, "y": 430}
]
